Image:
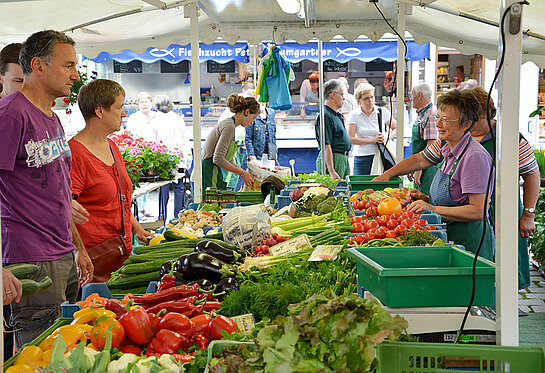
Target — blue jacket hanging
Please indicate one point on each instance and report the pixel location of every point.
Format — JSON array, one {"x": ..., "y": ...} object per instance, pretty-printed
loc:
[{"x": 277, "y": 82}]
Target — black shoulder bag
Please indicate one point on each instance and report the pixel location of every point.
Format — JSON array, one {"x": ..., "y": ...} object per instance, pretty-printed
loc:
[{"x": 385, "y": 156}]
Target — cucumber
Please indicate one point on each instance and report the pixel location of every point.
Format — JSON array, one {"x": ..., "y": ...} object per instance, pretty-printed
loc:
[
  {"x": 171, "y": 235},
  {"x": 145, "y": 267},
  {"x": 31, "y": 287},
  {"x": 164, "y": 255},
  {"x": 136, "y": 291},
  {"x": 22, "y": 270},
  {"x": 216, "y": 236},
  {"x": 185, "y": 243},
  {"x": 124, "y": 281}
]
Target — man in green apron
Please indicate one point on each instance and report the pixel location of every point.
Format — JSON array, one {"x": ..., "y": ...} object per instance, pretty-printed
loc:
[{"x": 424, "y": 132}]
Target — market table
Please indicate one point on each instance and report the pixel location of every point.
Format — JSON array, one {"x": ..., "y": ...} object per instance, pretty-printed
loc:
[{"x": 145, "y": 188}]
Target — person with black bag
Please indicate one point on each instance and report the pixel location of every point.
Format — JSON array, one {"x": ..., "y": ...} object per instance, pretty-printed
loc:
[
  {"x": 365, "y": 129},
  {"x": 100, "y": 182}
]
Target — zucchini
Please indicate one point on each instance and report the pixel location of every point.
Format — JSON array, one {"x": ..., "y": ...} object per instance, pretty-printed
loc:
[
  {"x": 136, "y": 291},
  {"x": 172, "y": 235},
  {"x": 216, "y": 236},
  {"x": 22, "y": 270},
  {"x": 124, "y": 281},
  {"x": 154, "y": 265},
  {"x": 31, "y": 287},
  {"x": 165, "y": 255},
  {"x": 185, "y": 243}
]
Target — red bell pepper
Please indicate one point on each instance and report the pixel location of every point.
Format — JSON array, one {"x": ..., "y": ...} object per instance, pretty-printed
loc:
[
  {"x": 220, "y": 323},
  {"x": 130, "y": 349},
  {"x": 178, "y": 323},
  {"x": 182, "y": 291},
  {"x": 115, "y": 306},
  {"x": 201, "y": 341},
  {"x": 137, "y": 325},
  {"x": 154, "y": 320},
  {"x": 101, "y": 326},
  {"x": 201, "y": 323},
  {"x": 166, "y": 342}
]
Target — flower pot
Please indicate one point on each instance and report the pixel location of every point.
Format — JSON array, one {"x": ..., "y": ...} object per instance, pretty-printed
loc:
[
  {"x": 542, "y": 184},
  {"x": 149, "y": 178}
]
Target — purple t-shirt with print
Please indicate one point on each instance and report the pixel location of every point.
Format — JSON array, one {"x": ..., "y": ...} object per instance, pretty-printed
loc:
[
  {"x": 472, "y": 172},
  {"x": 35, "y": 187}
]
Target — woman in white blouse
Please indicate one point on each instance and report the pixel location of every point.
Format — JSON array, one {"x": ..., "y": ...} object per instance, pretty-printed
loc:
[{"x": 363, "y": 128}]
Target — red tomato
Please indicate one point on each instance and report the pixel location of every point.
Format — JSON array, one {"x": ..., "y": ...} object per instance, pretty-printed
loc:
[
  {"x": 410, "y": 214},
  {"x": 369, "y": 224},
  {"x": 416, "y": 216},
  {"x": 359, "y": 238},
  {"x": 372, "y": 211},
  {"x": 391, "y": 234},
  {"x": 421, "y": 222},
  {"x": 392, "y": 223},
  {"x": 356, "y": 219},
  {"x": 407, "y": 222},
  {"x": 400, "y": 229},
  {"x": 395, "y": 216},
  {"x": 369, "y": 236},
  {"x": 357, "y": 228},
  {"x": 383, "y": 220},
  {"x": 430, "y": 227},
  {"x": 381, "y": 232},
  {"x": 352, "y": 239},
  {"x": 417, "y": 227}
]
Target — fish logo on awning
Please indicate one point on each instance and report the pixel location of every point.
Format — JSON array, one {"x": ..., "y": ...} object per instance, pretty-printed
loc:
[
  {"x": 162, "y": 52},
  {"x": 348, "y": 52}
]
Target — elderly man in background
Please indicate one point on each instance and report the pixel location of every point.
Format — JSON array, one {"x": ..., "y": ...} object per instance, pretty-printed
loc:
[
  {"x": 336, "y": 140},
  {"x": 350, "y": 102},
  {"x": 424, "y": 132}
]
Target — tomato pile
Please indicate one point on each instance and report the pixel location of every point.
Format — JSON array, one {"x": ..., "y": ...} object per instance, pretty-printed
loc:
[
  {"x": 388, "y": 219},
  {"x": 262, "y": 248}
]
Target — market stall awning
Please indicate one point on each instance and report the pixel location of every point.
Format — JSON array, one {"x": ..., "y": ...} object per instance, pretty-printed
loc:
[
  {"x": 343, "y": 52},
  {"x": 174, "y": 53}
]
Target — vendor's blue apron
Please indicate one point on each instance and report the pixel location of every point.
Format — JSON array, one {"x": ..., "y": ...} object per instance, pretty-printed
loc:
[{"x": 469, "y": 233}]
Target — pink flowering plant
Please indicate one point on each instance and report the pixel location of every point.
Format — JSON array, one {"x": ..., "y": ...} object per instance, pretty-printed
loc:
[{"x": 147, "y": 158}]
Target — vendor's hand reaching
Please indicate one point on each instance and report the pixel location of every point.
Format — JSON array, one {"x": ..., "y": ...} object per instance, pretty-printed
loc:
[
  {"x": 419, "y": 206},
  {"x": 79, "y": 213},
  {"x": 527, "y": 225},
  {"x": 334, "y": 175},
  {"x": 143, "y": 235},
  {"x": 247, "y": 178},
  {"x": 417, "y": 175},
  {"x": 416, "y": 195},
  {"x": 383, "y": 177},
  {"x": 12, "y": 287}
]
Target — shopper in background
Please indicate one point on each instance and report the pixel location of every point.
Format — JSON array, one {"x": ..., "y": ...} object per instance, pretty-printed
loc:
[
  {"x": 35, "y": 184},
  {"x": 220, "y": 147},
  {"x": 363, "y": 128},
  {"x": 460, "y": 77},
  {"x": 458, "y": 190},
  {"x": 261, "y": 135},
  {"x": 424, "y": 132},
  {"x": 96, "y": 183},
  {"x": 350, "y": 103},
  {"x": 336, "y": 140},
  {"x": 11, "y": 75},
  {"x": 138, "y": 125},
  {"x": 171, "y": 131},
  {"x": 309, "y": 91},
  {"x": 359, "y": 81}
]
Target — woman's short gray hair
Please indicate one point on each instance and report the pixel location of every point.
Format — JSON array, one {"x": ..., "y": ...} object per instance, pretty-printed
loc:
[
  {"x": 363, "y": 89},
  {"x": 424, "y": 89},
  {"x": 163, "y": 103},
  {"x": 331, "y": 86}
]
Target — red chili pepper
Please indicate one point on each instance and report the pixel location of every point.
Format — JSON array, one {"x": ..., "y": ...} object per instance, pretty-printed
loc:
[
  {"x": 201, "y": 341},
  {"x": 115, "y": 306},
  {"x": 197, "y": 310},
  {"x": 220, "y": 323},
  {"x": 173, "y": 306},
  {"x": 167, "y": 282},
  {"x": 182, "y": 291},
  {"x": 211, "y": 306},
  {"x": 178, "y": 323},
  {"x": 166, "y": 342},
  {"x": 131, "y": 349},
  {"x": 137, "y": 325},
  {"x": 201, "y": 323}
]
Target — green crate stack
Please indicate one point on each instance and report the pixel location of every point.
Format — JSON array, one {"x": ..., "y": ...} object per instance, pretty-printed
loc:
[{"x": 362, "y": 182}]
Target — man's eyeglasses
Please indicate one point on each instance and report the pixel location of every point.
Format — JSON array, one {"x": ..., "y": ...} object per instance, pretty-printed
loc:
[
  {"x": 339, "y": 93},
  {"x": 367, "y": 98},
  {"x": 443, "y": 119},
  {"x": 46, "y": 45}
]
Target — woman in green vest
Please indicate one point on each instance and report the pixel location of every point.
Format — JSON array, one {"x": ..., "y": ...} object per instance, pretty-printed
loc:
[{"x": 220, "y": 147}]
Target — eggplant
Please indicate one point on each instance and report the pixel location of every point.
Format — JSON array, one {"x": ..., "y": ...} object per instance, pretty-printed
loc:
[
  {"x": 177, "y": 266},
  {"x": 204, "y": 284},
  {"x": 180, "y": 280},
  {"x": 198, "y": 266},
  {"x": 226, "y": 285},
  {"x": 165, "y": 268},
  {"x": 217, "y": 251}
]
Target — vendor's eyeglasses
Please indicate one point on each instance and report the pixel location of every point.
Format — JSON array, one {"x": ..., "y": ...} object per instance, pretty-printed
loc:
[{"x": 443, "y": 119}]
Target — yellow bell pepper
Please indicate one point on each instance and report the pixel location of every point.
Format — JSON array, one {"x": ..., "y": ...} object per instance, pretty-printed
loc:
[
  {"x": 20, "y": 368},
  {"x": 72, "y": 334},
  {"x": 155, "y": 240},
  {"x": 47, "y": 356},
  {"x": 29, "y": 355},
  {"x": 92, "y": 315}
]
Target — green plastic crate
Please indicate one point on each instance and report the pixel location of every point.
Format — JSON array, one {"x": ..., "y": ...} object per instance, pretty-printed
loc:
[
  {"x": 215, "y": 346},
  {"x": 362, "y": 182},
  {"x": 423, "y": 276},
  {"x": 39, "y": 339},
  {"x": 417, "y": 357}
]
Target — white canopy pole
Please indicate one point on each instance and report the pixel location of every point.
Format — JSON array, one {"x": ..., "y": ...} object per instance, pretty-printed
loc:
[
  {"x": 400, "y": 88},
  {"x": 196, "y": 102},
  {"x": 321, "y": 96},
  {"x": 507, "y": 187}
]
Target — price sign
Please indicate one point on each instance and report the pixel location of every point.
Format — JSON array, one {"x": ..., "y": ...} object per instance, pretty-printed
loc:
[
  {"x": 334, "y": 66},
  {"x": 215, "y": 67},
  {"x": 133, "y": 67},
  {"x": 180, "y": 67}
]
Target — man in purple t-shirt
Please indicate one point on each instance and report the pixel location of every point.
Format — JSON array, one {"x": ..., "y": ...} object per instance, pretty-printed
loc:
[{"x": 35, "y": 187}]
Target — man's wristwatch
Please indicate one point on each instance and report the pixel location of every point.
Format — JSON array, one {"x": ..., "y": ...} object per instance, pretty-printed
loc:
[{"x": 531, "y": 210}]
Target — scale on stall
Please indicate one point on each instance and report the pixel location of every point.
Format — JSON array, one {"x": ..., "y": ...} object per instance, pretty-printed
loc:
[{"x": 430, "y": 288}]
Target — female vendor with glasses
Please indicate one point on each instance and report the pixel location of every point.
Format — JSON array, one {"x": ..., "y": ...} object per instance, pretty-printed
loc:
[
  {"x": 363, "y": 128},
  {"x": 458, "y": 190}
]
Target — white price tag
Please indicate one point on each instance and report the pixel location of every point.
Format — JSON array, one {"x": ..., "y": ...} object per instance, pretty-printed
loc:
[
  {"x": 325, "y": 252},
  {"x": 291, "y": 245}
]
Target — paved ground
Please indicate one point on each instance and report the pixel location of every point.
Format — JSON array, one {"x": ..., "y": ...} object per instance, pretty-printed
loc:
[{"x": 532, "y": 299}]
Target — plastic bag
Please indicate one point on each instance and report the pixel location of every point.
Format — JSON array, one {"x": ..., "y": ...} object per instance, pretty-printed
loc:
[{"x": 242, "y": 226}]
